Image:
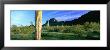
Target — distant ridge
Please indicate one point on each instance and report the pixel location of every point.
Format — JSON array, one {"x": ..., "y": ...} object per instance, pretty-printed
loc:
[{"x": 92, "y": 16}]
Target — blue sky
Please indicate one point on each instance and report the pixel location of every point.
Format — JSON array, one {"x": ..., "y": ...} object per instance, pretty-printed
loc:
[
  {"x": 62, "y": 15},
  {"x": 24, "y": 17}
]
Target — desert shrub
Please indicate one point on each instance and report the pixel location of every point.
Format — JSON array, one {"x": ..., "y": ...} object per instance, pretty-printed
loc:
[
  {"x": 66, "y": 29},
  {"x": 90, "y": 30},
  {"x": 22, "y": 32}
]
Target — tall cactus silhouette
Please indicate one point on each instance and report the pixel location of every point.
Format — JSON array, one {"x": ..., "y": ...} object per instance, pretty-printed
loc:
[
  {"x": 48, "y": 23},
  {"x": 38, "y": 24}
]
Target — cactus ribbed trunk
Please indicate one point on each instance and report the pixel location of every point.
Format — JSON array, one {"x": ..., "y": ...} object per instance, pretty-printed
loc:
[{"x": 38, "y": 24}]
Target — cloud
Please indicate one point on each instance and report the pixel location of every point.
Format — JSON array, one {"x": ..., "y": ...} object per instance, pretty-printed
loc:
[{"x": 71, "y": 15}]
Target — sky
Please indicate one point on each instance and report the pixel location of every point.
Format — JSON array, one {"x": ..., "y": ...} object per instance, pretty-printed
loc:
[
  {"x": 62, "y": 15},
  {"x": 24, "y": 17}
]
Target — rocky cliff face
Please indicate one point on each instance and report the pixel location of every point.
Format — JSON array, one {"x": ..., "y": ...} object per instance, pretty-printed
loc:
[{"x": 92, "y": 16}]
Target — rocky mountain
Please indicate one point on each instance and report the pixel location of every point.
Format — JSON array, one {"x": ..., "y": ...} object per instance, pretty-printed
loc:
[{"x": 92, "y": 16}]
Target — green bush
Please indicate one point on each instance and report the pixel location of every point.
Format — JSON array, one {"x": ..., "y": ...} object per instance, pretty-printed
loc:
[
  {"x": 22, "y": 32},
  {"x": 88, "y": 31}
]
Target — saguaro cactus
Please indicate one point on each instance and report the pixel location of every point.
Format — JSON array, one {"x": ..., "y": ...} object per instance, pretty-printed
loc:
[
  {"x": 48, "y": 23},
  {"x": 38, "y": 24}
]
